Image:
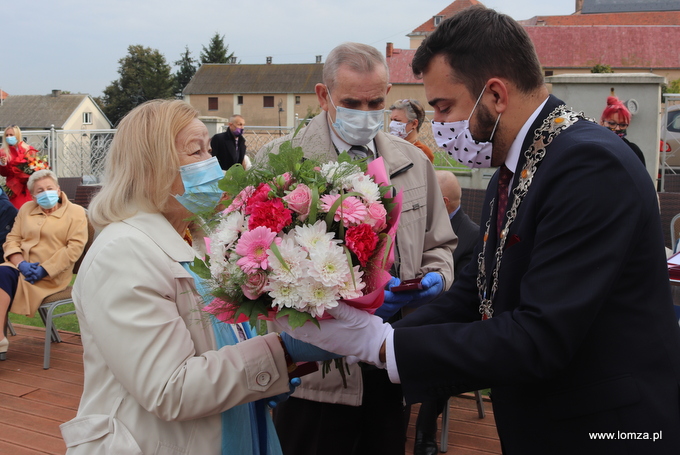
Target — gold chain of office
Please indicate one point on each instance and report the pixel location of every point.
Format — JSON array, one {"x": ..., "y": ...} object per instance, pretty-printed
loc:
[{"x": 559, "y": 120}]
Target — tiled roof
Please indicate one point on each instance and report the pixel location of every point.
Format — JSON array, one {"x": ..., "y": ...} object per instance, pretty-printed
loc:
[
  {"x": 639, "y": 18},
  {"x": 605, "y": 6},
  {"x": 268, "y": 78},
  {"x": 400, "y": 67},
  {"x": 3, "y": 94},
  {"x": 449, "y": 11},
  {"x": 616, "y": 46},
  {"x": 39, "y": 111}
]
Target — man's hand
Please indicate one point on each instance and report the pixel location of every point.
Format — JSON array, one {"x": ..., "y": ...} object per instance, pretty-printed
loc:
[
  {"x": 432, "y": 285},
  {"x": 352, "y": 332}
]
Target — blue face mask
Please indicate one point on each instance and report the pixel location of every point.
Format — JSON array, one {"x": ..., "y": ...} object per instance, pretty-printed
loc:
[
  {"x": 47, "y": 199},
  {"x": 11, "y": 140},
  {"x": 357, "y": 127},
  {"x": 201, "y": 192}
]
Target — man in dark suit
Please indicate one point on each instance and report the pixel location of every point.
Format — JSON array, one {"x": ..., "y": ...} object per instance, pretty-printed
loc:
[
  {"x": 468, "y": 233},
  {"x": 230, "y": 147},
  {"x": 568, "y": 314}
]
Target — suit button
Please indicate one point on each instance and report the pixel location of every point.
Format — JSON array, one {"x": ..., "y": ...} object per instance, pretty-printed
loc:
[{"x": 263, "y": 378}]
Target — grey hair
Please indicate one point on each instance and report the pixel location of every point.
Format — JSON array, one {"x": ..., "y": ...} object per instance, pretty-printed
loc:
[
  {"x": 39, "y": 175},
  {"x": 413, "y": 110},
  {"x": 361, "y": 58}
]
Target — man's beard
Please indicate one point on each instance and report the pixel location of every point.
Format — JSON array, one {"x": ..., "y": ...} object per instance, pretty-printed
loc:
[{"x": 485, "y": 123}]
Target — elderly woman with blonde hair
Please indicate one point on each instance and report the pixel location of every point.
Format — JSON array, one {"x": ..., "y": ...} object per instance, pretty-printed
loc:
[
  {"x": 162, "y": 376},
  {"x": 47, "y": 238}
]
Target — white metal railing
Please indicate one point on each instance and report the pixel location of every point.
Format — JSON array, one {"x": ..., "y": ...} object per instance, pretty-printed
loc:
[{"x": 82, "y": 153}]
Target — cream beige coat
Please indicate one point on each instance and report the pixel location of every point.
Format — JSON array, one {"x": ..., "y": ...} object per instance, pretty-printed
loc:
[
  {"x": 425, "y": 240},
  {"x": 154, "y": 383},
  {"x": 56, "y": 241}
]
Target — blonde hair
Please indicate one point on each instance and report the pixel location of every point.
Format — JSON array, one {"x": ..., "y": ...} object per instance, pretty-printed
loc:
[
  {"x": 39, "y": 175},
  {"x": 142, "y": 162},
  {"x": 20, "y": 140}
]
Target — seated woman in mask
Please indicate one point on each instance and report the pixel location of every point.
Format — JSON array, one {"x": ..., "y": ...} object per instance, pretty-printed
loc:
[{"x": 47, "y": 238}]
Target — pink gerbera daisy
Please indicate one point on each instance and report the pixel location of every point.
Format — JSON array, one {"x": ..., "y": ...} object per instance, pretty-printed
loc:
[
  {"x": 253, "y": 246},
  {"x": 352, "y": 211}
]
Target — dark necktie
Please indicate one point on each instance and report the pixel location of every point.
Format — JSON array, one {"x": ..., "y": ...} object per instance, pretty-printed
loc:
[
  {"x": 358, "y": 152},
  {"x": 504, "y": 178}
]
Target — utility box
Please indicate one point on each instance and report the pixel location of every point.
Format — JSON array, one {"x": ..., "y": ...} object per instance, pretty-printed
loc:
[{"x": 640, "y": 92}]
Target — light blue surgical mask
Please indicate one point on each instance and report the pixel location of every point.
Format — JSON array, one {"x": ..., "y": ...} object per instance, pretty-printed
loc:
[
  {"x": 201, "y": 190},
  {"x": 357, "y": 127},
  {"x": 47, "y": 199},
  {"x": 11, "y": 140}
]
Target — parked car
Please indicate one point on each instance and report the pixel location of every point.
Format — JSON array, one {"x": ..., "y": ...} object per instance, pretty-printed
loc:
[{"x": 670, "y": 136}]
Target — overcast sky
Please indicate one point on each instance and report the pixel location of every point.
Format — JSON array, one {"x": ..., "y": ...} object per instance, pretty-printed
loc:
[{"x": 75, "y": 45}]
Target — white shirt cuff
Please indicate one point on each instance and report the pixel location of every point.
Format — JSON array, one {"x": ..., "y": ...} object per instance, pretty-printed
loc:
[{"x": 391, "y": 359}]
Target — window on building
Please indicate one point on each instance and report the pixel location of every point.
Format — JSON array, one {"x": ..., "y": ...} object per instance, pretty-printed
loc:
[
  {"x": 437, "y": 20},
  {"x": 212, "y": 103},
  {"x": 268, "y": 101},
  {"x": 548, "y": 73},
  {"x": 239, "y": 100},
  {"x": 87, "y": 118},
  {"x": 297, "y": 100}
]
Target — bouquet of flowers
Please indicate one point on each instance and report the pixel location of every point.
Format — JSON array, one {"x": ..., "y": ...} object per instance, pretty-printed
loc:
[
  {"x": 297, "y": 236},
  {"x": 28, "y": 165}
]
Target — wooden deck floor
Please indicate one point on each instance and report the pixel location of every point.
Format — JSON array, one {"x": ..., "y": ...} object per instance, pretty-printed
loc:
[{"x": 33, "y": 401}]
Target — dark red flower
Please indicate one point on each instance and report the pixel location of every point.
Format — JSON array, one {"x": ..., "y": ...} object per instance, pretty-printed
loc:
[
  {"x": 361, "y": 240},
  {"x": 270, "y": 213}
]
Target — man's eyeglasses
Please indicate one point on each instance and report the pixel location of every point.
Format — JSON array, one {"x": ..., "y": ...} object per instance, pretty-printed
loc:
[{"x": 612, "y": 124}]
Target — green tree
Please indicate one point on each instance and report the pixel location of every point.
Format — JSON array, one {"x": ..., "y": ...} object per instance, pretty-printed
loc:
[
  {"x": 216, "y": 52},
  {"x": 600, "y": 68},
  {"x": 186, "y": 70},
  {"x": 144, "y": 75}
]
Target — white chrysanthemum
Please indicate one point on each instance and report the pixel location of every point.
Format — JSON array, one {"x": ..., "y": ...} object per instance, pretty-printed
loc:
[
  {"x": 318, "y": 297},
  {"x": 368, "y": 189},
  {"x": 294, "y": 258},
  {"x": 328, "y": 264},
  {"x": 308, "y": 236},
  {"x": 340, "y": 175},
  {"x": 285, "y": 294},
  {"x": 227, "y": 233},
  {"x": 352, "y": 288}
]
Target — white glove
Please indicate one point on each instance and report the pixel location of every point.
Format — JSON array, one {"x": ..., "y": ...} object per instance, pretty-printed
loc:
[{"x": 353, "y": 332}]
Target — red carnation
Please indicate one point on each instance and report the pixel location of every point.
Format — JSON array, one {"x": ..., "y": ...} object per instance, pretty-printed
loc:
[
  {"x": 361, "y": 240},
  {"x": 270, "y": 213},
  {"x": 261, "y": 194}
]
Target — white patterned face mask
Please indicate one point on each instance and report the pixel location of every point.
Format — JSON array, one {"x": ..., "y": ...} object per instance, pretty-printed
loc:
[
  {"x": 456, "y": 139},
  {"x": 398, "y": 129}
]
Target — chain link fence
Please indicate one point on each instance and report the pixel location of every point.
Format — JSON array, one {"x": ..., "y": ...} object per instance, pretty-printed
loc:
[{"x": 82, "y": 153}]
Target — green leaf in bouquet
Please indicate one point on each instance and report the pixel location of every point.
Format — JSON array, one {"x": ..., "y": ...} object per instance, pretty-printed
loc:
[
  {"x": 277, "y": 253},
  {"x": 296, "y": 318},
  {"x": 234, "y": 180},
  {"x": 314, "y": 203},
  {"x": 201, "y": 268},
  {"x": 287, "y": 160},
  {"x": 345, "y": 157},
  {"x": 252, "y": 309}
]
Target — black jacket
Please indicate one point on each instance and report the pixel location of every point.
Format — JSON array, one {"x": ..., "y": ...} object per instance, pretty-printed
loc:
[{"x": 225, "y": 149}]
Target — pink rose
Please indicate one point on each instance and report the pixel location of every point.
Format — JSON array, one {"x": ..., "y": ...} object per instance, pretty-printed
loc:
[
  {"x": 377, "y": 216},
  {"x": 299, "y": 200},
  {"x": 253, "y": 288}
]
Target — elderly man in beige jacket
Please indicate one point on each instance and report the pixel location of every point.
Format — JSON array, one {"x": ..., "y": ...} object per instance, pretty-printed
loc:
[{"x": 368, "y": 413}]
